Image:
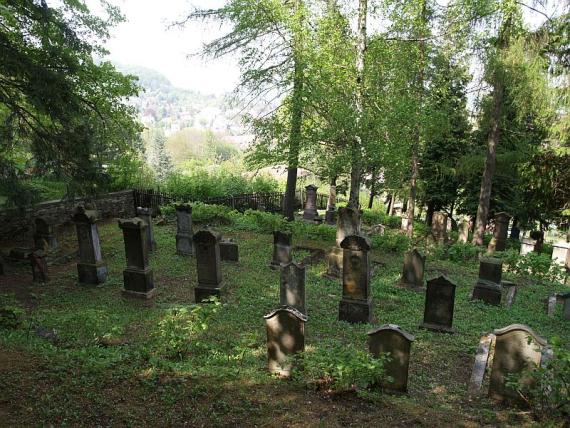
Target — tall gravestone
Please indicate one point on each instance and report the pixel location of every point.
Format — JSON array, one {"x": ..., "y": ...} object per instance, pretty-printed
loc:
[
  {"x": 463, "y": 235},
  {"x": 488, "y": 287},
  {"x": 44, "y": 232},
  {"x": 527, "y": 246},
  {"x": 499, "y": 240},
  {"x": 184, "y": 244},
  {"x": 282, "y": 249},
  {"x": 331, "y": 205},
  {"x": 292, "y": 286},
  {"x": 356, "y": 303},
  {"x": 561, "y": 254},
  {"x": 145, "y": 215},
  {"x": 285, "y": 338},
  {"x": 39, "y": 266},
  {"x": 439, "y": 227},
  {"x": 439, "y": 305},
  {"x": 392, "y": 340},
  {"x": 517, "y": 348},
  {"x": 310, "y": 212},
  {"x": 138, "y": 276},
  {"x": 348, "y": 223},
  {"x": 413, "y": 271},
  {"x": 91, "y": 269},
  {"x": 208, "y": 265}
]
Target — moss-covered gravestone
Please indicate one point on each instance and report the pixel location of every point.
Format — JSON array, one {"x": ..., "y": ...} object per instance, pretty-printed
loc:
[
  {"x": 90, "y": 269},
  {"x": 439, "y": 305},
  {"x": 208, "y": 265}
]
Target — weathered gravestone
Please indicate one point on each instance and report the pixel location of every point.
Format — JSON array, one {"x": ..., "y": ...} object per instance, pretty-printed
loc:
[
  {"x": 480, "y": 364},
  {"x": 292, "y": 286},
  {"x": 348, "y": 223},
  {"x": 229, "y": 251},
  {"x": 527, "y": 246},
  {"x": 285, "y": 338},
  {"x": 463, "y": 235},
  {"x": 39, "y": 266},
  {"x": 439, "y": 227},
  {"x": 281, "y": 249},
  {"x": 44, "y": 232},
  {"x": 413, "y": 271},
  {"x": 356, "y": 303},
  {"x": 439, "y": 305},
  {"x": 488, "y": 286},
  {"x": 310, "y": 213},
  {"x": 499, "y": 240},
  {"x": 331, "y": 205},
  {"x": 145, "y": 214},
  {"x": 561, "y": 254},
  {"x": 392, "y": 340},
  {"x": 184, "y": 244},
  {"x": 91, "y": 269},
  {"x": 208, "y": 265},
  {"x": 138, "y": 276},
  {"x": 517, "y": 348},
  {"x": 565, "y": 298}
]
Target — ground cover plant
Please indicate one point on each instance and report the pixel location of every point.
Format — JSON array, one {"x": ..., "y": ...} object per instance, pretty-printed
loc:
[{"x": 87, "y": 356}]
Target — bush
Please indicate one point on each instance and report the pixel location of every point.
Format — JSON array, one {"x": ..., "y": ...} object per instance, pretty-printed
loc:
[
  {"x": 259, "y": 221},
  {"x": 533, "y": 265},
  {"x": 375, "y": 216},
  {"x": 460, "y": 252},
  {"x": 391, "y": 241}
]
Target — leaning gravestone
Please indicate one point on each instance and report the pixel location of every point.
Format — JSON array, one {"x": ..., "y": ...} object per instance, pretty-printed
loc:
[
  {"x": 281, "y": 249},
  {"x": 463, "y": 235},
  {"x": 39, "y": 266},
  {"x": 44, "y": 232},
  {"x": 285, "y": 338},
  {"x": 439, "y": 227},
  {"x": 90, "y": 268},
  {"x": 517, "y": 348},
  {"x": 184, "y": 244},
  {"x": 348, "y": 223},
  {"x": 499, "y": 240},
  {"x": 229, "y": 251},
  {"x": 392, "y": 340},
  {"x": 310, "y": 213},
  {"x": 488, "y": 286},
  {"x": 439, "y": 305},
  {"x": 208, "y": 265},
  {"x": 356, "y": 303},
  {"x": 145, "y": 214},
  {"x": 292, "y": 286},
  {"x": 138, "y": 276},
  {"x": 413, "y": 271}
]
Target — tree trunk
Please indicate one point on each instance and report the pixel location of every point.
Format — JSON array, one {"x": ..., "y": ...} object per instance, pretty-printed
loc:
[
  {"x": 355, "y": 171},
  {"x": 389, "y": 201},
  {"x": 429, "y": 213},
  {"x": 331, "y": 203},
  {"x": 391, "y": 210},
  {"x": 372, "y": 189}
]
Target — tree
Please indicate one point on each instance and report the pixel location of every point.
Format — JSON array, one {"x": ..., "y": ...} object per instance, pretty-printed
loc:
[{"x": 161, "y": 161}]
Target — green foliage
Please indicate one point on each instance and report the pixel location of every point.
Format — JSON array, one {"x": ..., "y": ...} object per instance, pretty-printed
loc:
[
  {"x": 533, "y": 265},
  {"x": 392, "y": 242},
  {"x": 377, "y": 216},
  {"x": 460, "y": 252}
]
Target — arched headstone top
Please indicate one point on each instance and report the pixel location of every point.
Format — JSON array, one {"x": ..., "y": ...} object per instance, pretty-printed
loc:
[
  {"x": 442, "y": 280},
  {"x": 521, "y": 327},
  {"x": 393, "y": 328},
  {"x": 132, "y": 223},
  {"x": 83, "y": 215},
  {"x": 311, "y": 187},
  {"x": 207, "y": 237},
  {"x": 288, "y": 310},
  {"x": 183, "y": 207},
  {"x": 282, "y": 238},
  {"x": 355, "y": 243}
]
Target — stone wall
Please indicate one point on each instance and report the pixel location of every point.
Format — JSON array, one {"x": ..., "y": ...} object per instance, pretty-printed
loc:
[{"x": 16, "y": 222}]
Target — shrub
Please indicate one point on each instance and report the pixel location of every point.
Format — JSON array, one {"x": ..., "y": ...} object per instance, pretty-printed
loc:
[
  {"x": 212, "y": 214},
  {"x": 460, "y": 252},
  {"x": 375, "y": 216},
  {"x": 391, "y": 241},
  {"x": 534, "y": 265},
  {"x": 259, "y": 221}
]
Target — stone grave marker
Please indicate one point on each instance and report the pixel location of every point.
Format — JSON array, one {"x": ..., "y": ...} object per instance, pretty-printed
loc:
[
  {"x": 565, "y": 298},
  {"x": 229, "y": 250},
  {"x": 44, "y": 232},
  {"x": 488, "y": 286},
  {"x": 348, "y": 223},
  {"x": 439, "y": 227},
  {"x": 184, "y": 243},
  {"x": 393, "y": 340},
  {"x": 517, "y": 348},
  {"x": 91, "y": 269},
  {"x": 499, "y": 240},
  {"x": 551, "y": 305},
  {"x": 145, "y": 214},
  {"x": 527, "y": 246},
  {"x": 285, "y": 338},
  {"x": 331, "y": 206},
  {"x": 39, "y": 266},
  {"x": 310, "y": 212},
  {"x": 561, "y": 254},
  {"x": 480, "y": 364},
  {"x": 378, "y": 229},
  {"x": 208, "y": 265},
  {"x": 413, "y": 270},
  {"x": 292, "y": 286},
  {"x": 463, "y": 235},
  {"x": 281, "y": 249},
  {"x": 356, "y": 303},
  {"x": 511, "y": 293},
  {"x": 439, "y": 305},
  {"x": 138, "y": 276}
]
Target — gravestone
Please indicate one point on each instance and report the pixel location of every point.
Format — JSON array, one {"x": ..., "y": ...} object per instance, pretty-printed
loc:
[
  {"x": 527, "y": 246},
  {"x": 551, "y": 305},
  {"x": 310, "y": 212},
  {"x": 378, "y": 229},
  {"x": 405, "y": 222},
  {"x": 561, "y": 254},
  {"x": 91, "y": 269},
  {"x": 439, "y": 305},
  {"x": 439, "y": 227},
  {"x": 208, "y": 265},
  {"x": 488, "y": 286},
  {"x": 348, "y": 223},
  {"x": 281, "y": 249},
  {"x": 565, "y": 298},
  {"x": 480, "y": 364},
  {"x": 138, "y": 276},
  {"x": 538, "y": 236},
  {"x": 413, "y": 271},
  {"x": 391, "y": 339},
  {"x": 39, "y": 266},
  {"x": 331, "y": 206},
  {"x": 463, "y": 235},
  {"x": 292, "y": 286},
  {"x": 229, "y": 251},
  {"x": 184, "y": 244},
  {"x": 356, "y": 303},
  {"x": 44, "y": 232},
  {"x": 517, "y": 348},
  {"x": 499, "y": 240},
  {"x": 145, "y": 214},
  {"x": 285, "y": 338}
]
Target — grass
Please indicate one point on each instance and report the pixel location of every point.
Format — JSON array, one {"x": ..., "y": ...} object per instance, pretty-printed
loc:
[{"x": 169, "y": 362}]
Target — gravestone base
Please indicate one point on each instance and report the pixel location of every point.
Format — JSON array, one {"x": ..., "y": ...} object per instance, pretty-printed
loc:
[
  {"x": 438, "y": 327},
  {"x": 334, "y": 271},
  {"x": 487, "y": 292},
  {"x": 139, "y": 295},
  {"x": 91, "y": 273},
  {"x": 330, "y": 217},
  {"x": 203, "y": 293},
  {"x": 355, "y": 311},
  {"x": 138, "y": 281},
  {"x": 184, "y": 246},
  {"x": 229, "y": 251}
]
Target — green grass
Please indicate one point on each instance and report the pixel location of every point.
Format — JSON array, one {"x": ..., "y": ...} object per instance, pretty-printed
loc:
[{"x": 168, "y": 362}]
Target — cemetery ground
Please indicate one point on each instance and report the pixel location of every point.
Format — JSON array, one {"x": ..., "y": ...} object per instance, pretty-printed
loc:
[{"x": 114, "y": 360}]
